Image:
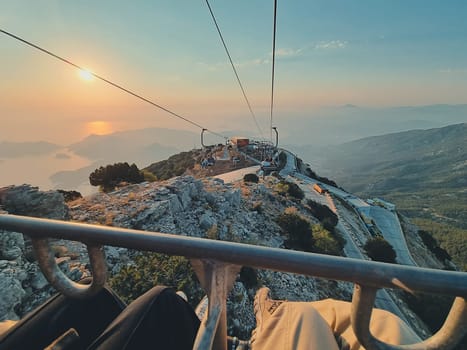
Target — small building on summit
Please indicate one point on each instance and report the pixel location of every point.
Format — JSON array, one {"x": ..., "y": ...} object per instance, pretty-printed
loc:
[{"x": 239, "y": 141}]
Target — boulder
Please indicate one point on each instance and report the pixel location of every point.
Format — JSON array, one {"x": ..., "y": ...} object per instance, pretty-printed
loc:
[
  {"x": 29, "y": 201},
  {"x": 11, "y": 245},
  {"x": 12, "y": 292},
  {"x": 176, "y": 205},
  {"x": 233, "y": 197},
  {"x": 206, "y": 221},
  {"x": 38, "y": 280},
  {"x": 154, "y": 213}
]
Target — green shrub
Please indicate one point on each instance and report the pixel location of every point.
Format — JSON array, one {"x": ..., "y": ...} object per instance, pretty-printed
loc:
[
  {"x": 175, "y": 165},
  {"x": 378, "y": 249},
  {"x": 310, "y": 173},
  {"x": 248, "y": 277},
  {"x": 449, "y": 237},
  {"x": 322, "y": 212},
  {"x": 325, "y": 242},
  {"x": 148, "y": 176},
  {"x": 291, "y": 189},
  {"x": 110, "y": 176},
  {"x": 69, "y": 196},
  {"x": 276, "y": 175},
  {"x": 298, "y": 231},
  {"x": 151, "y": 269},
  {"x": 212, "y": 232},
  {"x": 250, "y": 178},
  {"x": 433, "y": 246},
  {"x": 295, "y": 191},
  {"x": 282, "y": 188}
]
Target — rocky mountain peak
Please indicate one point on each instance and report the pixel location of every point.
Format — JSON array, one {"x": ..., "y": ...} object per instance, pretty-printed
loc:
[{"x": 239, "y": 211}]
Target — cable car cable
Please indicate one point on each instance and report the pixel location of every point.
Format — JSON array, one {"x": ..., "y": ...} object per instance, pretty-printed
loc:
[
  {"x": 273, "y": 61},
  {"x": 234, "y": 69}
]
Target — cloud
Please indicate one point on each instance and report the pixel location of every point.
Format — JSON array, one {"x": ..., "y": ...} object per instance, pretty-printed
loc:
[
  {"x": 251, "y": 63},
  {"x": 287, "y": 52},
  {"x": 212, "y": 67},
  {"x": 281, "y": 53},
  {"x": 220, "y": 66},
  {"x": 332, "y": 44}
]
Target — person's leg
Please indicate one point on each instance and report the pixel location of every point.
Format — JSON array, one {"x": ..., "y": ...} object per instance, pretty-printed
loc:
[
  {"x": 289, "y": 326},
  {"x": 6, "y": 325},
  {"x": 159, "y": 319}
]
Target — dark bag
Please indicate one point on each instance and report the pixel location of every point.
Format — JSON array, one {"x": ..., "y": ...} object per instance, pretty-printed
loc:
[{"x": 58, "y": 315}]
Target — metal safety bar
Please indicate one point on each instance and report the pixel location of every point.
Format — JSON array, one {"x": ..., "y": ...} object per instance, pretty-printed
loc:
[
  {"x": 62, "y": 283},
  {"x": 217, "y": 263}
]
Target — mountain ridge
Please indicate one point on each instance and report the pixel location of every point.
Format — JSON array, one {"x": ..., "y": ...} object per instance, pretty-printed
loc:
[
  {"x": 424, "y": 172},
  {"x": 336, "y": 125},
  {"x": 437, "y": 154}
]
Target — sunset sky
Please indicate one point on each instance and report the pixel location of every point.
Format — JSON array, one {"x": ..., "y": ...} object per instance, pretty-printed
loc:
[{"x": 329, "y": 53}]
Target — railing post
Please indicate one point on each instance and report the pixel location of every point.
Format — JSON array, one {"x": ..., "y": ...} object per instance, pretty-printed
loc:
[
  {"x": 454, "y": 327},
  {"x": 202, "y": 138},
  {"x": 277, "y": 136},
  {"x": 452, "y": 331},
  {"x": 219, "y": 262},
  {"x": 62, "y": 283},
  {"x": 363, "y": 300},
  {"x": 217, "y": 279}
]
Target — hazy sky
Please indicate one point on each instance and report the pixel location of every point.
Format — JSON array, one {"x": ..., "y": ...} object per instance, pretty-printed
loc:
[{"x": 329, "y": 53}]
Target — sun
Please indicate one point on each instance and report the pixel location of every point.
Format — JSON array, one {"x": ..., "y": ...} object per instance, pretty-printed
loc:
[
  {"x": 99, "y": 127},
  {"x": 86, "y": 74}
]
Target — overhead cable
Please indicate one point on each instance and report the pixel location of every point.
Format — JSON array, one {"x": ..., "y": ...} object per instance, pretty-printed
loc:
[
  {"x": 112, "y": 83},
  {"x": 234, "y": 69},
  {"x": 273, "y": 62}
]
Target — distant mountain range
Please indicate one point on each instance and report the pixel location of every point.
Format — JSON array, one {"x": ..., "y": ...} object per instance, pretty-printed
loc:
[
  {"x": 142, "y": 147},
  {"x": 66, "y": 167},
  {"x": 406, "y": 161},
  {"x": 135, "y": 146},
  {"x": 22, "y": 149},
  {"x": 424, "y": 172},
  {"x": 336, "y": 125}
]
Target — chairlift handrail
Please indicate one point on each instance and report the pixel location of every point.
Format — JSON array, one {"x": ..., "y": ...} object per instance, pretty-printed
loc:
[
  {"x": 370, "y": 273},
  {"x": 220, "y": 262}
]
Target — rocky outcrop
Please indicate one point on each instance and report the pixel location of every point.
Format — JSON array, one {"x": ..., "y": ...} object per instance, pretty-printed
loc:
[
  {"x": 183, "y": 205},
  {"x": 208, "y": 208},
  {"x": 11, "y": 276},
  {"x": 29, "y": 201},
  {"x": 11, "y": 245},
  {"x": 22, "y": 284}
]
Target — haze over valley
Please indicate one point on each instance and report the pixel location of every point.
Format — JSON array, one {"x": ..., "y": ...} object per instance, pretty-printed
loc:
[{"x": 68, "y": 166}]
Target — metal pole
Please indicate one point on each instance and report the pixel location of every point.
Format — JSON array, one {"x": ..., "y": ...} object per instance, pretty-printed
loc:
[
  {"x": 202, "y": 138},
  {"x": 277, "y": 136}
]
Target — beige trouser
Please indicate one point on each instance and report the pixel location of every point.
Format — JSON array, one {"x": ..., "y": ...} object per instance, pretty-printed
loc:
[
  {"x": 315, "y": 326},
  {"x": 6, "y": 325}
]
